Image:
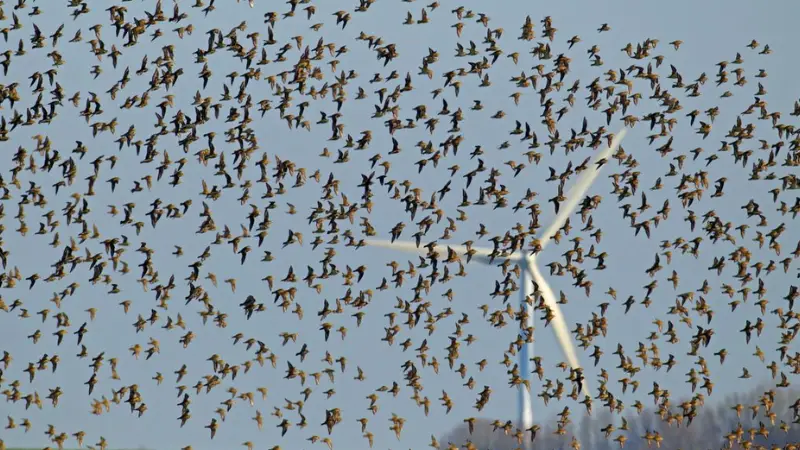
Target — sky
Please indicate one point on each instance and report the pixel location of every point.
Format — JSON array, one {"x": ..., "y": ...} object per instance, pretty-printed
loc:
[{"x": 710, "y": 31}]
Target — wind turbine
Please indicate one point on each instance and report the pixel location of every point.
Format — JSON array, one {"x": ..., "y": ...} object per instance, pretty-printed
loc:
[{"x": 530, "y": 275}]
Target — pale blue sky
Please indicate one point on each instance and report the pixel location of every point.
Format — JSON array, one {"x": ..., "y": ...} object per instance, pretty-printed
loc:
[{"x": 711, "y": 31}]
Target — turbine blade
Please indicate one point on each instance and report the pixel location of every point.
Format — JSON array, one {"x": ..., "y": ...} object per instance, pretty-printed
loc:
[
  {"x": 559, "y": 324},
  {"x": 479, "y": 254},
  {"x": 578, "y": 190}
]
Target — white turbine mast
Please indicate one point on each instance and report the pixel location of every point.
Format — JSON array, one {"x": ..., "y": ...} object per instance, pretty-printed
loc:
[{"x": 531, "y": 275}]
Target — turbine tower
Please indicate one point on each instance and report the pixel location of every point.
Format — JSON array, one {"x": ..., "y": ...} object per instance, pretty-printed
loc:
[{"x": 530, "y": 274}]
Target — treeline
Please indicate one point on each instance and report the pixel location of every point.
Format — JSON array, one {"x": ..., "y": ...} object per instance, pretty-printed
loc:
[{"x": 708, "y": 431}]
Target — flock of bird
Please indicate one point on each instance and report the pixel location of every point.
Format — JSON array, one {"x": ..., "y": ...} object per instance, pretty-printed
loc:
[{"x": 49, "y": 189}]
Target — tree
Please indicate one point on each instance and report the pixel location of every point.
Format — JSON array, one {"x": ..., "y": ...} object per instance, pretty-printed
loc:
[{"x": 707, "y": 431}]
